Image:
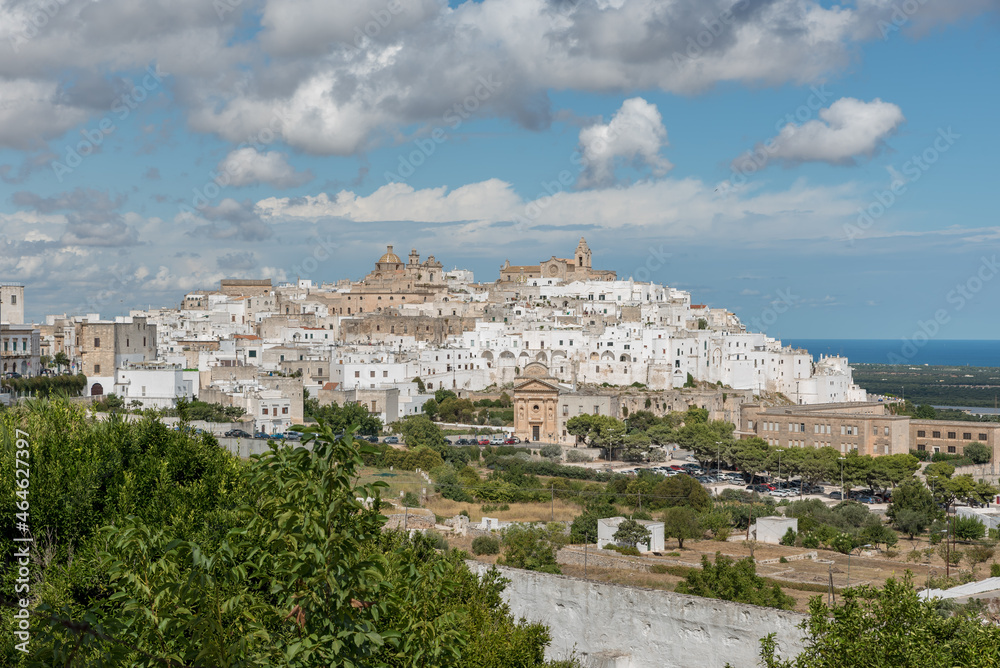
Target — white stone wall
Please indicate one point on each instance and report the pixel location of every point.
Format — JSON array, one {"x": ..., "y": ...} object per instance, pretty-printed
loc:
[{"x": 645, "y": 628}]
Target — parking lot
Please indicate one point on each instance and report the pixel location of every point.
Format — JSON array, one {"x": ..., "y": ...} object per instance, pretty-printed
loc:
[{"x": 717, "y": 481}]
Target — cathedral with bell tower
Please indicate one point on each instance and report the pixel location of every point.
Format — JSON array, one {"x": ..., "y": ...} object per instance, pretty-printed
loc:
[{"x": 577, "y": 268}]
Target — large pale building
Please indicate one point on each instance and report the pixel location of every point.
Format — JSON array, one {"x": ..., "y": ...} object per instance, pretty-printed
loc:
[{"x": 867, "y": 427}]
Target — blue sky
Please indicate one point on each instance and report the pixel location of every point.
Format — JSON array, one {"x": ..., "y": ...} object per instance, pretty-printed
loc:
[{"x": 636, "y": 115}]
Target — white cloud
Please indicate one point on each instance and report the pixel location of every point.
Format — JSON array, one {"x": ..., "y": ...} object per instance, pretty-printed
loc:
[
  {"x": 248, "y": 167},
  {"x": 398, "y": 201},
  {"x": 482, "y": 213},
  {"x": 31, "y": 111},
  {"x": 635, "y": 135},
  {"x": 846, "y": 130}
]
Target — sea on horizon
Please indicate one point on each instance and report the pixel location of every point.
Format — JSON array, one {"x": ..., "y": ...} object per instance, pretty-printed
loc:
[{"x": 896, "y": 351}]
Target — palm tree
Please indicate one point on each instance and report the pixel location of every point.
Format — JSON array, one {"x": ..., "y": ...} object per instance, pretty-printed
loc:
[{"x": 61, "y": 360}]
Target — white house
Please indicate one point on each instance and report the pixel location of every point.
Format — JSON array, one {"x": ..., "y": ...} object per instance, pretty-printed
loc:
[
  {"x": 772, "y": 529},
  {"x": 153, "y": 384},
  {"x": 607, "y": 527}
]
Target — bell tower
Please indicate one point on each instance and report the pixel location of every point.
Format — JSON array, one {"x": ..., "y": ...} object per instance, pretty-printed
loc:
[{"x": 582, "y": 255}]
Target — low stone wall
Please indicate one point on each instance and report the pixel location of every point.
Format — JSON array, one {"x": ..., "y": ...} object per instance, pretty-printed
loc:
[
  {"x": 576, "y": 556},
  {"x": 612, "y": 626},
  {"x": 410, "y": 520}
]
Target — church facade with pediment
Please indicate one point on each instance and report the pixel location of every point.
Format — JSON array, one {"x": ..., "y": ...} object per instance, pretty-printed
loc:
[{"x": 536, "y": 401}]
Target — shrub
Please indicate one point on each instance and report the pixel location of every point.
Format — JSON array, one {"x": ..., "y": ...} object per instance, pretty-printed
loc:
[
  {"x": 732, "y": 580},
  {"x": 789, "y": 538},
  {"x": 411, "y": 500},
  {"x": 436, "y": 540},
  {"x": 659, "y": 569},
  {"x": 553, "y": 452},
  {"x": 577, "y": 457},
  {"x": 485, "y": 545},
  {"x": 623, "y": 549},
  {"x": 810, "y": 541},
  {"x": 978, "y": 554},
  {"x": 463, "y": 511},
  {"x": 530, "y": 548},
  {"x": 969, "y": 528},
  {"x": 995, "y": 570},
  {"x": 782, "y": 560}
]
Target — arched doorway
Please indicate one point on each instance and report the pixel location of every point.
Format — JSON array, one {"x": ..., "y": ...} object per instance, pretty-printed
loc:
[{"x": 96, "y": 390}]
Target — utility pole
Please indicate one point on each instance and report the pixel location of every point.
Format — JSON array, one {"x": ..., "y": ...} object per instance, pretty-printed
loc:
[
  {"x": 718, "y": 459},
  {"x": 947, "y": 551}
]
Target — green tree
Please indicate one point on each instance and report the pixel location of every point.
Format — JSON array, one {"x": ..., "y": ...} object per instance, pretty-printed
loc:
[
  {"x": 911, "y": 522},
  {"x": 442, "y": 394},
  {"x": 431, "y": 408},
  {"x": 61, "y": 359},
  {"x": 600, "y": 431},
  {"x": 891, "y": 470},
  {"x": 750, "y": 455},
  {"x": 681, "y": 523},
  {"x": 913, "y": 495},
  {"x": 888, "y": 628},
  {"x": 731, "y": 580},
  {"x": 636, "y": 447},
  {"x": 979, "y": 453},
  {"x": 681, "y": 490},
  {"x": 879, "y": 534},
  {"x": 418, "y": 430},
  {"x": 630, "y": 533},
  {"x": 530, "y": 548}
]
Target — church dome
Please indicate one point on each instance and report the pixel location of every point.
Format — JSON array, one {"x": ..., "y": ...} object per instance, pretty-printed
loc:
[{"x": 389, "y": 257}]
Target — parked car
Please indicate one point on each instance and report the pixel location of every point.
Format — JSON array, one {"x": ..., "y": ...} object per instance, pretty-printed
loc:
[
  {"x": 836, "y": 495},
  {"x": 237, "y": 433},
  {"x": 261, "y": 434},
  {"x": 391, "y": 439},
  {"x": 292, "y": 436},
  {"x": 509, "y": 441},
  {"x": 484, "y": 441},
  {"x": 373, "y": 439},
  {"x": 516, "y": 440},
  {"x": 498, "y": 440},
  {"x": 760, "y": 489}
]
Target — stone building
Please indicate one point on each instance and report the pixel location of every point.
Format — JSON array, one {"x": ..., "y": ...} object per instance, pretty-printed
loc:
[
  {"x": 12, "y": 303},
  {"x": 536, "y": 398},
  {"x": 393, "y": 328},
  {"x": 104, "y": 346},
  {"x": 577, "y": 268}
]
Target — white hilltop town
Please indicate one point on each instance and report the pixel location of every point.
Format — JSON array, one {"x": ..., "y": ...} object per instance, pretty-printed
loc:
[{"x": 562, "y": 337}]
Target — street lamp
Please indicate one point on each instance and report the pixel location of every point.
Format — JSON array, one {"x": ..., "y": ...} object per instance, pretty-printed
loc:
[{"x": 842, "y": 460}]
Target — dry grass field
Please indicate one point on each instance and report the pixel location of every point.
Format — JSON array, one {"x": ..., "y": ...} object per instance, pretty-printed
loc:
[{"x": 560, "y": 511}]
